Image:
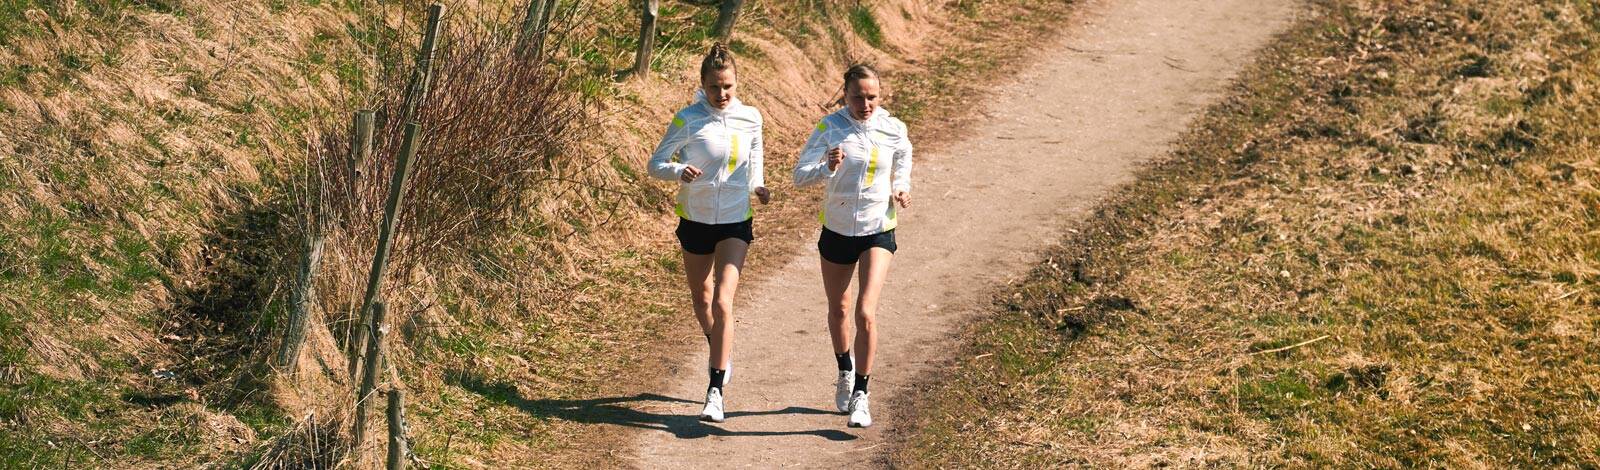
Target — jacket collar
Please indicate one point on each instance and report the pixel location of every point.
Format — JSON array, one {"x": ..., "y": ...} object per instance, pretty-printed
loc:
[
  {"x": 872, "y": 122},
  {"x": 700, "y": 98}
]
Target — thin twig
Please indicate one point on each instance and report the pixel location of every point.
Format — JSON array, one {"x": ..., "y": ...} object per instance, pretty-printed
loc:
[
  {"x": 859, "y": 449},
  {"x": 1292, "y": 346},
  {"x": 1158, "y": 353}
]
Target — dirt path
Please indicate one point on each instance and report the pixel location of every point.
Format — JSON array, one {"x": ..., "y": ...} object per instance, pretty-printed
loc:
[{"x": 1121, "y": 83}]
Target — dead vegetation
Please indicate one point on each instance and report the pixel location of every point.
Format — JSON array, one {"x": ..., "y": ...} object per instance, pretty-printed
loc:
[
  {"x": 1381, "y": 252},
  {"x": 152, "y": 181}
]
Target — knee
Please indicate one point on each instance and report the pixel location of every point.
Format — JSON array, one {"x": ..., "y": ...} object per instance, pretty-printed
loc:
[
  {"x": 722, "y": 307},
  {"x": 866, "y": 321},
  {"x": 702, "y": 296},
  {"x": 836, "y": 311}
]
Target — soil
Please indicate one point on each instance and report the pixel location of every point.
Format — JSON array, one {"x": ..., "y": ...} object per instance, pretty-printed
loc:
[{"x": 1122, "y": 82}]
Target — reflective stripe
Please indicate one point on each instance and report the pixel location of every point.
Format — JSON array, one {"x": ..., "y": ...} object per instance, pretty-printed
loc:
[
  {"x": 750, "y": 213},
  {"x": 892, "y": 222},
  {"x": 822, "y": 126},
  {"x": 822, "y": 215},
  {"x": 677, "y": 121},
  {"x": 679, "y": 209},
  {"x": 872, "y": 167},
  {"x": 733, "y": 153}
]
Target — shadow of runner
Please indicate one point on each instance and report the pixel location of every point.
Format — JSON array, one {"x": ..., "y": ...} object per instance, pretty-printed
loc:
[{"x": 614, "y": 410}]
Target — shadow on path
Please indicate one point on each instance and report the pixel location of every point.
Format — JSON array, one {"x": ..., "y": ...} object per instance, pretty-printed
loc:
[{"x": 617, "y": 411}]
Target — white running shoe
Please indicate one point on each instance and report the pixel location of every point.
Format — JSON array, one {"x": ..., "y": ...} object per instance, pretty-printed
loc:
[
  {"x": 713, "y": 409},
  {"x": 841, "y": 390},
  {"x": 860, "y": 416}
]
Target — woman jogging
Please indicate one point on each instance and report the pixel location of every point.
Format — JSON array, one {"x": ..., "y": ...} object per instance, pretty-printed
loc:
[
  {"x": 713, "y": 148},
  {"x": 862, "y": 156}
]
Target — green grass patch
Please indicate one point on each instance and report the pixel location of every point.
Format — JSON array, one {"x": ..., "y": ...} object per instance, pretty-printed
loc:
[{"x": 866, "y": 26}]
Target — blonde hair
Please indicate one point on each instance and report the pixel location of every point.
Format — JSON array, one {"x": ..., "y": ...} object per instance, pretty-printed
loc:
[{"x": 858, "y": 72}]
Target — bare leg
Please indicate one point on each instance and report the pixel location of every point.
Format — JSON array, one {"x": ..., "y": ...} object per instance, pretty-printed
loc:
[
  {"x": 836, "y": 284},
  {"x": 874, "y": 268},
  {"x": 697, "y": 268},
  {"x": 729, "y": 259}
]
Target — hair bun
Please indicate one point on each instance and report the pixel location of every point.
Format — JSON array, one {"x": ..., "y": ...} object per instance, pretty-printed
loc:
[{"x": 717, "y": 59}]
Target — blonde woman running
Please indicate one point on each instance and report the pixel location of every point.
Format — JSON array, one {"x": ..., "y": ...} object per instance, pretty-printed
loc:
[
  {"x": 863, "y": 158},
  {"x": 713, "y": 148}
]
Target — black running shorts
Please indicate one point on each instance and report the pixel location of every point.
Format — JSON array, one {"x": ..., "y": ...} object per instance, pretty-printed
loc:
[
  {"x": 701, "y": 239},
  {"x": 840, "y": 249}
]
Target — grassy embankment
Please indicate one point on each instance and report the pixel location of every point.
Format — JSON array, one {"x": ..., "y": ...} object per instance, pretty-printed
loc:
[
  {"x": 1383, "y": 250},
  {"x": 152, "y": 150}
]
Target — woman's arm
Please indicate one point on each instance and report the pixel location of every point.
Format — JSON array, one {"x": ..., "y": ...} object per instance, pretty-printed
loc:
[
  {"x": 902, "y": 163},
  {"x": 901, "y": 174},
  {"x": 758, "y": 171},
  {"x": 758, "y": 178},
  {"x": 661, "y": 165},
  {"x": 813, "y": 165}
]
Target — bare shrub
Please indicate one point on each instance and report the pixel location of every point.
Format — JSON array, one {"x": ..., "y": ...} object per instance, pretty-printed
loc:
[{"x": 496, "y": 150}]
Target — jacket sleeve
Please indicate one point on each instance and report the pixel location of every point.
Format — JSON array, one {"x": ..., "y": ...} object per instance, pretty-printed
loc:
[
  {"x": 813, "y": 165},
  {"x": 902, "y": 162},
  {"x": 661, "y": 165},
  {"x": 757, "y": 158}
]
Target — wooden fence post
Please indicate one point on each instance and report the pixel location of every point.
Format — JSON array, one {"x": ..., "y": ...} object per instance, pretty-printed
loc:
[
  {"x": 535, "y": 27},
  {"x": 369, "y": 377},
  {"x": 647, "y": 37},
  {"x": 380, "y": 259},
  {"x": 727, "y": 13},
  {"x": 361, "y": 142},
  {"x": 300, "y": 304},
  {"x": 398, "y": 449}
]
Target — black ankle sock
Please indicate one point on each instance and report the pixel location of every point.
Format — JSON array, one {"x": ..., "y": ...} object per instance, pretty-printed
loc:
[
  {"x": 716, "y": 378},
  {"x": 861, "y": 383},
  {"x": 844, "y": 361}
]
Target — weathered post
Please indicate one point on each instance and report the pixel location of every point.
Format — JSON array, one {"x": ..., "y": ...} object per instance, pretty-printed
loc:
[
  {"x": 398, "y": 451},
  {"x": 727, "y": 13},
  {"x": 361, "y": 142},
  {"x": 369, "y": 377},
  {"x": 647, "y": 37},
  {"x": 300, "y": 303},
  {"x": 380, "y": 258},
  {"x": 535, "y": 27}
]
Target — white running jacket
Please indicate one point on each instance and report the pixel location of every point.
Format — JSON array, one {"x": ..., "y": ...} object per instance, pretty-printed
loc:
[
  {"x": 725, "y": 144},
  {"x": 877, "y": 163}
]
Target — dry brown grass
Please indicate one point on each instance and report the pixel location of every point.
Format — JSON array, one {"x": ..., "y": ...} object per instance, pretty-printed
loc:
[
  {"x": 1412, "y": 182},
  {"x": 147, "y": 220}
]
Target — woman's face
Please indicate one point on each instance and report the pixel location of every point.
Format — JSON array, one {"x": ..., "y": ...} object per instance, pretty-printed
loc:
[
  {"x": 862, "y": 96},
  {"x": 719, "y": 85}
]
